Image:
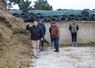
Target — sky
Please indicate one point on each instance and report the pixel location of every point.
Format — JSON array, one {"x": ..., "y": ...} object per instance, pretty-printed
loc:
[{"x": 70, "y": 4}]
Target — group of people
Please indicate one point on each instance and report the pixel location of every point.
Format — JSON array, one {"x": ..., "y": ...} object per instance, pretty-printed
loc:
[{"x": 38, "y": 31}]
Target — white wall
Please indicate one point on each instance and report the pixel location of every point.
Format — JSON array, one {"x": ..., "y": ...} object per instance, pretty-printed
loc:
[{"x": 86, "y": 33}]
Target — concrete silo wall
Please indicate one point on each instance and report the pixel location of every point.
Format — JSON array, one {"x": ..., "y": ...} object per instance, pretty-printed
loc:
[{"x": 86, "y": 33}]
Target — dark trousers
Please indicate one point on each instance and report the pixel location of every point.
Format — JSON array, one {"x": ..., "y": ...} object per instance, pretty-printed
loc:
[
  {"x": 55, "y": 40},
  {"x": 74, "y": 37},
  {"x": 51, "y": 41},
  {"x": 42, "y": 45}
]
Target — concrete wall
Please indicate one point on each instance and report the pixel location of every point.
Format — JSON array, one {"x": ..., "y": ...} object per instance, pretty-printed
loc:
[{"x": 86, "y": 33}]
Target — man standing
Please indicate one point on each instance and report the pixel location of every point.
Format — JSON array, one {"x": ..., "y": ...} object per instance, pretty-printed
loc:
[
  {"x": 36, "y": 35},
  {"x": 50, "y": 34},
  {"x": 54, "y": 34},
  {"x": 74, "y": 28},
  {"x": 43, "y": 29}
]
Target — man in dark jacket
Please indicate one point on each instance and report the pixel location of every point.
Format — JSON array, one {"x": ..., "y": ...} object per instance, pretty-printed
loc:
[
  {"x": 43, "y": 29},
  {"x": 36, "y": 35},
  {"x": 50, "y": 35},
  {"x": 74, "y": 28}
]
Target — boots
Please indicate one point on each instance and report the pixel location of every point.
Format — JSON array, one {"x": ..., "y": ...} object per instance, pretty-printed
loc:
[
  {"x": 74, "y": 44},
  {"x": 42, "y": 46},
  {"x": 56, "y": 49}
]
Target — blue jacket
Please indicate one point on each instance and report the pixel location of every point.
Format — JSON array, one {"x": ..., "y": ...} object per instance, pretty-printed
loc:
[{"x": 43, "y": 28}]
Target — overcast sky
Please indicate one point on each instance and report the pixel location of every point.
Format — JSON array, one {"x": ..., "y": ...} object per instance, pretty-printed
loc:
[{"x": 71, "y": 4}]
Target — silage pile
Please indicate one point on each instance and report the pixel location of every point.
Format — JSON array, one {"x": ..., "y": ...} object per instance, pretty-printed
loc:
[{"x": 15, "y": 46}]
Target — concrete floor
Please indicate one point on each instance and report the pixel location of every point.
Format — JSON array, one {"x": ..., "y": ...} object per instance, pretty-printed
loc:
[{"x": 68, "y": 57}]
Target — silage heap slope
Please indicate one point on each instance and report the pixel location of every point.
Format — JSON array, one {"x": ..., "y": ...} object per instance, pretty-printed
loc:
[{"x": 15, "y": 47}]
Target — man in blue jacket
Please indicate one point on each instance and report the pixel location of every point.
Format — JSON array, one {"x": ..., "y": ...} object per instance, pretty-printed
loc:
[{"x": 43, "y": 29}]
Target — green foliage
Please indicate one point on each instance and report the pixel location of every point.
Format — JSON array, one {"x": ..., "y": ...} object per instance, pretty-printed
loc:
[
  {"x": 3, "y": 5},
  {"x": 42, "y": 5},
  {"x": 23, "y": 4},
  {"x": 15, "y": 1}
]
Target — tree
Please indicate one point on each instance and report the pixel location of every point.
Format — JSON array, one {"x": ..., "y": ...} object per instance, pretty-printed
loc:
[
  {"x": 42, "y": 5},
  {"x": 23, "y": 4},
  {"x": 3, "y": 5}
]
